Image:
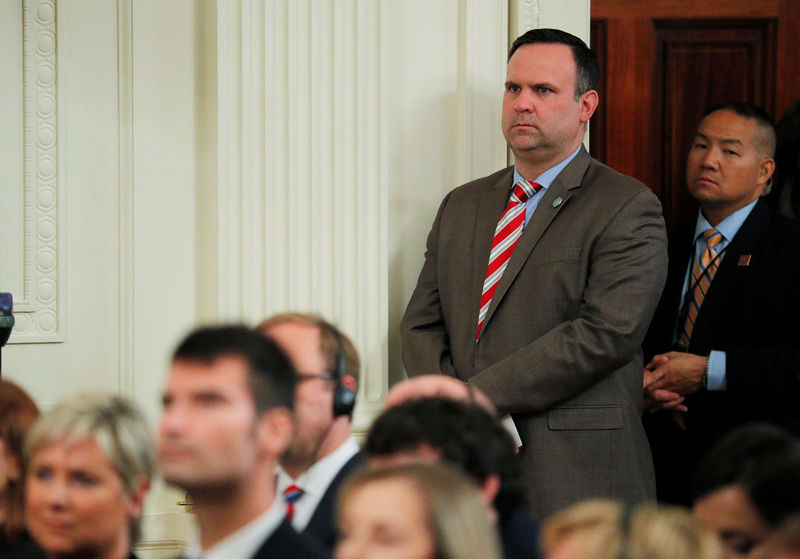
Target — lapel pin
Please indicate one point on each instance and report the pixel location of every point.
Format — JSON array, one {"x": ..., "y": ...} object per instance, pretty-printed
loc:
[
  {"x": 744, "y": 260},
  {"x": 557, "y": 202}
]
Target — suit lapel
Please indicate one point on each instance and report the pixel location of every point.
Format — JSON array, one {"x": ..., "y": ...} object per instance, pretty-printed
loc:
[
  {"x": 322, "y": 524},
  {"x": 729, "y": 282},
  {"x": 562, "y": 187},
  {"x": 680, "y": 249}
]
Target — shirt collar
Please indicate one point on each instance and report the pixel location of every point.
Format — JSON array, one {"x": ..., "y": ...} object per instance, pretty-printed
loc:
[
  {"x": 728, "y": 226},
  {"x": 547, "y": 178},
  {"x": 318, "y": 477},
  {"x": 245, "y": 541}
]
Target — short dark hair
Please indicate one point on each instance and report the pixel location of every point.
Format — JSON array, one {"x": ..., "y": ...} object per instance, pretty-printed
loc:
[
  {"x": 271, "y": 375},
  {"x": 465, "y": 434},
  {"x": 762, "y": 459},
  {"x": 587, "y": 75},
  {"x": 750, "y": 112}
]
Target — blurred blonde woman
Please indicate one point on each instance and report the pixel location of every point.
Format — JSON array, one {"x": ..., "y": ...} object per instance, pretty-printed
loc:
[
  {"x": 414, "y": 511},
  {"x": 89, "y": 463},
  {"x": 604, "y": 529}
]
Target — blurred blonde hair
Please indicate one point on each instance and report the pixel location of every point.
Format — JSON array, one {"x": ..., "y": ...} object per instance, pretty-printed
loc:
[
  {"x": 605, "y": 529},
  {"x": 117, "y": 426},
  {"x": 457, "y": 517}
]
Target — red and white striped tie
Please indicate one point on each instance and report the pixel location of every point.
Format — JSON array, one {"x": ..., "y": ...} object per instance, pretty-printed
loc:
[{"x": 506, "y": 237}]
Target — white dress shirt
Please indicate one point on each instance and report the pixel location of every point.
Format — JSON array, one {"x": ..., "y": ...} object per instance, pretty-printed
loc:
[
  {"x": 315, "y": 481},
  {"x": 245, "y": 541}
]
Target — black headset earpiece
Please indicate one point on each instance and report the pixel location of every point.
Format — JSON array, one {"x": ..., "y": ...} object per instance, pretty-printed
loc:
[{"x": 344, "y": 397}]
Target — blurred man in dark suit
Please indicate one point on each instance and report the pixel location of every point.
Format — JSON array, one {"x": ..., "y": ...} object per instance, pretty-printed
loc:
[
  {"x": 323, "y": 452},
  {"x": 226, "y": 421}
]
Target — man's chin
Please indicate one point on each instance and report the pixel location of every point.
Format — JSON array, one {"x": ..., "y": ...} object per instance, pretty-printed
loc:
[{"x": 524, "y": 142}]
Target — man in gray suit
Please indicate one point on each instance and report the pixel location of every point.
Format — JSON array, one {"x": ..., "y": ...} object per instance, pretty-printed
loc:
[{"x": 539, "y": 283}]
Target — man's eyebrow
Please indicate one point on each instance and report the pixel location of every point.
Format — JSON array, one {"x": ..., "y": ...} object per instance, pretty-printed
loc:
[{"x": 722, "y": 141}]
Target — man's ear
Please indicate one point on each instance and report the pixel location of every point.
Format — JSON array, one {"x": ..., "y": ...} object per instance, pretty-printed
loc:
[
  {"x": 490, "y": 488},
  {"x": 588, "y": 102},
  {"x": 275, "y": 430},
  {"x": 765, "y": 172}
]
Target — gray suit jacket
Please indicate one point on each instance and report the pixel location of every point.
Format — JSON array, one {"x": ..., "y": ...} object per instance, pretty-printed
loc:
[{"x": 560, "y": 347}]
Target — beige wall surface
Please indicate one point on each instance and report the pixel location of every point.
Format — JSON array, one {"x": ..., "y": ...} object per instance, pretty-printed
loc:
[{"x": 172, "y": 162}]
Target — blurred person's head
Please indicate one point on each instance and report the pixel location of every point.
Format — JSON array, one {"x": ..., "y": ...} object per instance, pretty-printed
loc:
[
  {"x": 226, "y": 420},
  {"x": 327, "y": 366},
  {"x": 88, "y": 467},
  {"x": 226, "y": 409},
  {"x": 605, "y": 529},
  {"x": 747, "y": 485},
  {"x": 463, "y": 434},
  {"x": 413, "y": 511},
  {"x": 17, "y": 413}
]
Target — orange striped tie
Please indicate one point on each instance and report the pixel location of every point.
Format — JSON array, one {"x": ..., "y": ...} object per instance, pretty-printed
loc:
[
  {"x": 702, "y": 275},
  {"x": 506, "y": 237}
]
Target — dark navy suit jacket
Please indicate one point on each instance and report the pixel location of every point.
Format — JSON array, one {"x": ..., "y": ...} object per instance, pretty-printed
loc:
[
  {"x": 752, "y": 312},
  {"x": 322, "y": 526},
  {"x": 285, "y": 543}
]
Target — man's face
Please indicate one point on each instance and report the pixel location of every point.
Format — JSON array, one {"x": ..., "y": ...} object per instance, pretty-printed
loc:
[
  {"x": 730, "y": 513},
  {"x": 313, "y": 403},
  {"x": 726, "y": 170},
  {"x": 541, "y": 116},
  {"x": 207, "y": 435}
]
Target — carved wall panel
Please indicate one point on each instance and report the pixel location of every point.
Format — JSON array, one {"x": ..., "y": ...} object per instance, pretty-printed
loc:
[{"x": 39, "y": 307}]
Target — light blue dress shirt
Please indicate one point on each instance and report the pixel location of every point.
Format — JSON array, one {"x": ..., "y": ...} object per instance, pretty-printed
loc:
[
  {"x": 545, "y": 179},
  {"x": 717, "y": 379}
]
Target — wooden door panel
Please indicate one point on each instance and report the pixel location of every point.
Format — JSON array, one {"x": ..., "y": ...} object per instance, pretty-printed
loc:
[
  {"x": 664, "y": 61},
  {"x": 700, "y": 63}
]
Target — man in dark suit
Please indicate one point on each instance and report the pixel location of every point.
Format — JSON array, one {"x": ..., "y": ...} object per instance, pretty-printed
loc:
[
  {"x": 227, "y": 418},
  {"x": 323, "y": 452},
  {"x": 724, "y": 340},
  {"x": 552, "y": 333}
]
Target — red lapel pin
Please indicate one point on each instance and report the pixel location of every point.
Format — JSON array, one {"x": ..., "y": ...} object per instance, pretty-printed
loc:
[{"x": 744, "y": 260}]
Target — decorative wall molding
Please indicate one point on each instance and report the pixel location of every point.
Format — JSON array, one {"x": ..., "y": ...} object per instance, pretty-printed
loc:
[
  {"x": 39, "y": 309},
  {"x": 302, "y": 194},
  {"x": 530, "y": 15}
]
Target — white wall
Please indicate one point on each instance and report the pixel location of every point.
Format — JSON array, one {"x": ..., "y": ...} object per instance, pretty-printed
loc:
[
  {"x": 100, "y": 254},
  {"x": 228, "y": 159}
]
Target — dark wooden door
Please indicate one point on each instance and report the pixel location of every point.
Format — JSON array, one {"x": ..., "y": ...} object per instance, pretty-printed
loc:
[{"x": 663, "y": 61}]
